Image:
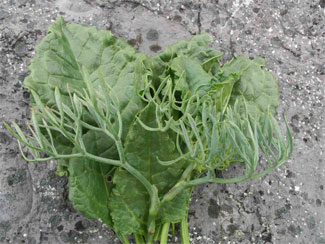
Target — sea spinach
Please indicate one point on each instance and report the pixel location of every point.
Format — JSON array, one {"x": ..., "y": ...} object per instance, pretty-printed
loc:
[{"x": 134, "y": 134}]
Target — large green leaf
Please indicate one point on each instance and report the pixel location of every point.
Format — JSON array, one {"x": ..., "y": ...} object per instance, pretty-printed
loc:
[
  {"x": 189, "y": 53},
  {"x": 190, "y": 76},
  {"x": 173, "y": 211},
  {"x": 89, "y": 181},
  {"x": 258, "y": 86},
  {"x": 60, "y": 56},
  {"x": 129, "y": 204},
  {"x": 142, "y": 148},
  {"x": 195, "y": 49},
  {"x": 67, "y": 48},
  {"x": 59, "y": 60}
]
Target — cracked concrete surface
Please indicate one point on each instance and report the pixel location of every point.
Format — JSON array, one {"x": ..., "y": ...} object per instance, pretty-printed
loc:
[{"x": 287, "y": 206}]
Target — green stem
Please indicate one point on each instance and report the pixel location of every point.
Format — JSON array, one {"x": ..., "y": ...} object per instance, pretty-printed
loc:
[
  {"x": 120, "y": 150},
  {"x": 139, "y": 239},
  {"x": 173, "y": 192},
  {"x": 229, "y": 180},
  {"x": 103, "y": 160},
  {"x": 216, "y": 180},
  {"x": 123, "y": 239},
  {"x": 187, "y": 172},
  {"x": 173, "y": 229},
  {"x": 149, "y": 241},
  {"x": 154, "y": 200},
  {"x": 153, "y": 211},
  {"x": 179, "y": 185},
  {"x": 185, "y": 238},
  {"x": 157, "y": 233},
  {"x": 164, "y": 233},
  {"x": 184, "y": 184},
  {"x": 150, "y": 188}
]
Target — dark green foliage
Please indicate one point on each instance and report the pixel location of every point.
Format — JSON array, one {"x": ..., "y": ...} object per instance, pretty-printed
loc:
[{"x": 135, "y": 134}]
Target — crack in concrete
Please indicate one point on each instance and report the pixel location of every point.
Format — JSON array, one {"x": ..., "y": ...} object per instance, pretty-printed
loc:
[
  {"x": 119, "y": 3},
  {"x": 199, "y": 18},
  {"x": 88, "y": 2},
  {"x": 140, "y": 4}
]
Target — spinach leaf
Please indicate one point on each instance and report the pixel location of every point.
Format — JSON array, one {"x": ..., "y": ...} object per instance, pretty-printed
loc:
[
  {"x": 143, "y": 150},
  {"x": 58, "y": 64},
  {"x": 90, "y": 186},
  {"x": 256, "y": 85}
]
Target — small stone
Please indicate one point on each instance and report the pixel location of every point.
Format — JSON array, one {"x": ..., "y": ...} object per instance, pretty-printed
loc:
[
  {"x": 289, "y": 174},
  {"x": 79, "y": 226},
  {"x": 60, "y": 228},
  {"x": 256, "y": 10},
  {"x": 283, "y": 12},
  {"x": 20, "y": 49},
  {"x": 248, "y": 32}
]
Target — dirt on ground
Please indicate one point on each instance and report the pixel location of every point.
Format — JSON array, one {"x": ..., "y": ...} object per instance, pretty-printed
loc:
[{"x": 287, "y": 206}]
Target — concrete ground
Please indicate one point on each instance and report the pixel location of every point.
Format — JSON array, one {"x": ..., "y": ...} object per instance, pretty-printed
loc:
[{"x": 287, "y": 206}]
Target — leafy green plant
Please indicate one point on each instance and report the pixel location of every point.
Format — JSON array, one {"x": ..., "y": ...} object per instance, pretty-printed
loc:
[{"x": 134, "y": 134}]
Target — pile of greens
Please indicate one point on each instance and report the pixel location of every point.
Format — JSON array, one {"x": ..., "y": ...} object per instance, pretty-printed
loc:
[{"x": 134, "y": 134}]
